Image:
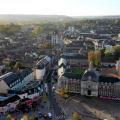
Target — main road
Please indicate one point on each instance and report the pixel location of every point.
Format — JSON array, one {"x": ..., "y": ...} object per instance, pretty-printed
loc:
[{"x": 57, "y": 112}]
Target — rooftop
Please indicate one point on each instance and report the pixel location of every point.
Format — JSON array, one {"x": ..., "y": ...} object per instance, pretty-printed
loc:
[
  {"x": 108, "y": 79},
  {"x": 9, "y": 78}
]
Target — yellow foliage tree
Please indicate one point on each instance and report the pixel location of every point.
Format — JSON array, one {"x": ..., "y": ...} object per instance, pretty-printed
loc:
[
  {"x": 25, "y": 117},
  {"x": 75, "y": 116},
  {"x": 97, "y": 58},
  {"x": 94, "y": 57},
  {"x": 91, "y": 56},
  {"x": 9, "y": 117},
  {"x": 62, "y": 92}
]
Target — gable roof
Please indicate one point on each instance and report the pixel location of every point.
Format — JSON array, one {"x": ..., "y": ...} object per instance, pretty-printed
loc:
[
  {"x": 108, "y": 79},
  {"x": 43, "y": 62},
  {"x": 62, "y": 65},
  {"x": 24, "y": 73},
  {"x": 90, "y": 73},
  {"x": 73, "y": 56},
  {"x": 9, "y": 78}
]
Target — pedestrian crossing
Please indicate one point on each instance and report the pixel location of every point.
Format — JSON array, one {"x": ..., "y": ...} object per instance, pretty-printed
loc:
[{"x": 60, "y": 116}]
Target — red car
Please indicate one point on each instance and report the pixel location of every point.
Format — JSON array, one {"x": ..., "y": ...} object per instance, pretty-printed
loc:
[{"x": 27, "y": 101}]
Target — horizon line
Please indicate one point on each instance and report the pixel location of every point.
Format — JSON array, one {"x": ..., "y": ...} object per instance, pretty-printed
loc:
[{"x": 60, "y": 15}]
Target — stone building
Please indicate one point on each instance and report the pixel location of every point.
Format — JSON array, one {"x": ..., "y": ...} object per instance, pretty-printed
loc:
[{"x": 91, "y": 83}]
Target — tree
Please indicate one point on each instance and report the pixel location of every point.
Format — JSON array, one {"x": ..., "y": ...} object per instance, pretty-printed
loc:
[
  {"x": 102, "y": 53},
  {"x": 18, "y": 65},
  {"x": 25, "y": 117},
  {"x": 9, "y": 117},
  {"x": 32, "y": 117},
  {"x": 9, "y": 29},
  {"x": 94, "y": 57},
  {"x": 46, "y": 46},
  {"x": 97, "y": 60},
  {"x": 91, "y": 56},
  {"x": 116, "y": 52},
  {"x": 75, "y": 116},
  {"x": 62, "y": 92},
  {"x": 36, "y": 31}
]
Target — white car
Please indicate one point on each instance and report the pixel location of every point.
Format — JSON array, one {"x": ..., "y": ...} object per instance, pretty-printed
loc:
[{"x": 49, "y": 115}]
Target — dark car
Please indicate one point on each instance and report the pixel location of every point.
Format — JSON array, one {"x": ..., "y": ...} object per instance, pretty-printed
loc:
[
  {"x": 23, "y": 107},
  {"x": 40, "y": 115},
  {"x": 47, "y": 116}
]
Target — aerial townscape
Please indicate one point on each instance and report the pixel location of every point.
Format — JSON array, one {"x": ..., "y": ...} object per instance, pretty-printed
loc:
[{"x": 55, "y": 67}]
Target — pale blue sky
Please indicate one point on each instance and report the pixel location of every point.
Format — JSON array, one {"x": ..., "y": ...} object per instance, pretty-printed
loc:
[{"x": 61, "y": 7}]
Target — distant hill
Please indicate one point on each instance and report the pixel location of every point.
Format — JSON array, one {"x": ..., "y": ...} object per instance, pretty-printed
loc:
[
  {"x": 13, "y": 18},
  {"x": 98, "y": 17},
  {"x": 51, "y": 18}
]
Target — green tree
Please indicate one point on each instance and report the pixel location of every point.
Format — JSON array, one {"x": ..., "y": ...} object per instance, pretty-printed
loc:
[
  {"x": 36, "y": 31},
  {"x": 116, "y": 52},
  {"x": 9, "y": 29},
  {"x": 32, "y": 117},
  {"x": 18, "y": 65}
]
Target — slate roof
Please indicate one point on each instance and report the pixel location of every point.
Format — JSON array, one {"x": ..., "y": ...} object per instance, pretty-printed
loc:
[
  {"x": 9, "y": 99},
  {"x": 73, "y": 56},
  {"x": 9, "y": 78},
  {"x": 62, "y": 65},
  {"x": 108, "y": 79},
  {"x": 109, "y": 59},
  {"x": 24, "y": 73},
  {"x": 90, "y": 73},
  {"x": 42, "y": 63}
]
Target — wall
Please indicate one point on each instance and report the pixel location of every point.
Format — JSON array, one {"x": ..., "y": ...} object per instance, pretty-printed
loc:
[
  {"x": 61, "y": 71},
  {"x": 89, "y": 85},
  {"x": 3, "y": 87}
]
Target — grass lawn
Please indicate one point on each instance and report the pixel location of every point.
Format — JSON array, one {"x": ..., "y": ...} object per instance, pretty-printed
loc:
[{"x": 78, "y": 71}]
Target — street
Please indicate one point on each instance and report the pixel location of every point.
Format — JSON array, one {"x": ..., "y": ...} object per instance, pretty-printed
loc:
[{"x": 57, "y": 112}]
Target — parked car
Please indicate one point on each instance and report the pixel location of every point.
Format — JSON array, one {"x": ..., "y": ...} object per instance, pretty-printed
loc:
[
  {"x": 27, "y": 101},
  {"x": 47, "y": 116},
  {"x": 40, "y": 115},
  {"x": 23, "y": 107}
]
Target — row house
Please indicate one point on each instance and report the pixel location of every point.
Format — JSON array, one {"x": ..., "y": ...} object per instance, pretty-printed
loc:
[{"x": 15, "y": 81}]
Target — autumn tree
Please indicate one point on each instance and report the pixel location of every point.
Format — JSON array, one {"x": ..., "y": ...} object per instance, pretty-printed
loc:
[
  {"x": 18, "y": 65},
  {"x": 36, "y": 31},
  {"x": 9, "y": 29},
  {"x": 75, "y": 116},
  {"x": 46, "y": 46},
  {"x": 8, "y": 117},
  {"x": 97, "y": 60},
  {"x": 25, "y": 117},
  {"x": 91, "y": 56},
  {"x": 94, "y": 57}
]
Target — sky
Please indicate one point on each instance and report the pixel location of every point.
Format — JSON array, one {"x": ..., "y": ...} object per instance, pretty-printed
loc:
[{"x": 61, "y": 7}]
